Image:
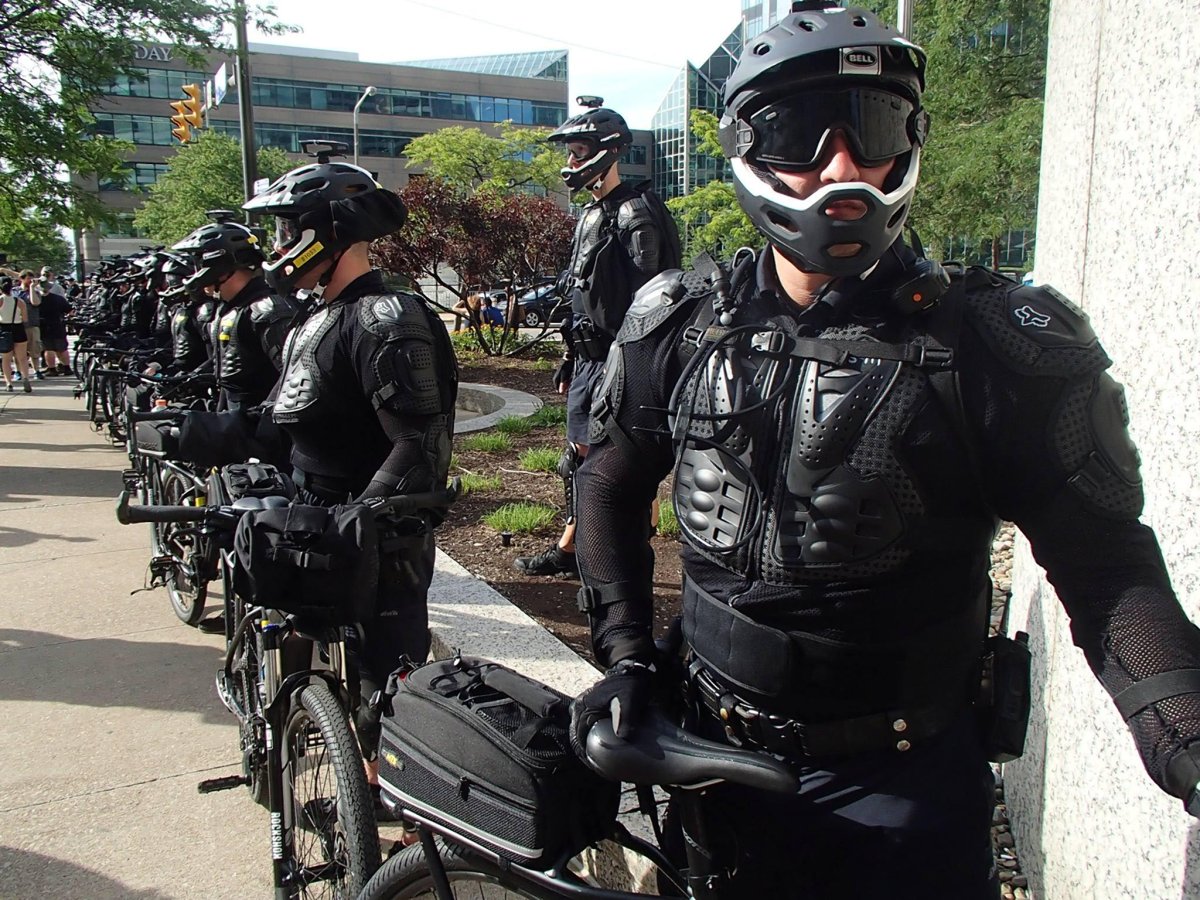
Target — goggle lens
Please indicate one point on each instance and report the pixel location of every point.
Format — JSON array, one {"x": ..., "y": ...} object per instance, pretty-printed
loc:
[
  {"x": 792, "y": 133},
  {"x": 287, "y": 231}
]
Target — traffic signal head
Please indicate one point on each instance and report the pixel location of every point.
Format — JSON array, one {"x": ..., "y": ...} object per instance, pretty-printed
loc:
[
  {"x": 181, "y": 131},
  {"x": 194, "y": 105}
]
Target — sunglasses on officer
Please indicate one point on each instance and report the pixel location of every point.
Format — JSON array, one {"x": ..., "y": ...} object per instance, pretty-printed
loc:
[{"x": 793, "y": 132}]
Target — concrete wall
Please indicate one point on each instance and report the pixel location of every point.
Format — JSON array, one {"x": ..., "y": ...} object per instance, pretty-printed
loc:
[{"x": 1118, "y": 230}]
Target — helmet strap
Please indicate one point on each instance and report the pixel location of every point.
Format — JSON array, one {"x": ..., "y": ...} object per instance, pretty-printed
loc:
[{"x": 318, "y": 291}]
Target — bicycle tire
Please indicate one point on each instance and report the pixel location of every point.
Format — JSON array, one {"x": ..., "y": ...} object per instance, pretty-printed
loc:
[
  {"x": 333, "y": 822},
  {"x": 186, "y": 589},
  {"x": 406, "y": 876}
]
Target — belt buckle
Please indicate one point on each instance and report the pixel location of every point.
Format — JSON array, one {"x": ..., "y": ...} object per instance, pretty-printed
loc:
[{"x": 787, "y": 735}]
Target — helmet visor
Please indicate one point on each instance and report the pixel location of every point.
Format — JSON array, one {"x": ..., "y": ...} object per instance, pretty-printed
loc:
[{"x": 792, "y": 132}]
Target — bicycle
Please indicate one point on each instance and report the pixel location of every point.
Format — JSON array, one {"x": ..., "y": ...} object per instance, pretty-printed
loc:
[
  {"x": 285, "y": 678},
  {"x": 448, "y": 863}
]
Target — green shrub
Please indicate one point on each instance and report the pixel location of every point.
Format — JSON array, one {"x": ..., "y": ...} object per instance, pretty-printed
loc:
[
  {"x": 487, "y": 442},
  {"x": 540, "y": 459},
  {"x": 472, "y": 483},
  {"x": 550, "y": 414},
  {"x": 543, "y": 364},
  {"x": 514, "y": 425},
  {"x": 520, "y": 517},
  {"x": 466, "y": 345},
  {"x": 668, "y": 524}
]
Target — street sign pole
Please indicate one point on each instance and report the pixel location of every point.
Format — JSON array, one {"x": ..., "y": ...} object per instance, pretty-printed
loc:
[
  {"x": 904, "y": 16},
  {"x": 245, "y": 103}
]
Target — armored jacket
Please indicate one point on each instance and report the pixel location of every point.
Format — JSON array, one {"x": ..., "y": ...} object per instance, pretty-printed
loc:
[
  {"x": 838, "y": 473},
  {"x": 188, "y": 347},
  {"x": 368, "y": 392},
  {"x": 249, "y": 333},
  {"x": 621, "y": 241}
]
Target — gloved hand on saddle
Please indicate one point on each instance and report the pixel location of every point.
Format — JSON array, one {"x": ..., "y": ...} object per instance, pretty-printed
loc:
[{"x": 624, "y": 694}]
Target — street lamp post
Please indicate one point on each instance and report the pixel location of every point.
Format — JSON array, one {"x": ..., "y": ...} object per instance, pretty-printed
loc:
[
  {"x": 904, "y": 17},
  {"x": 367, "y": 93}
]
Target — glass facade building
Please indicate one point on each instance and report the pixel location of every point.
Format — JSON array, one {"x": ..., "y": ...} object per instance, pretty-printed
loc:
[{"x": 549, "y": 64}]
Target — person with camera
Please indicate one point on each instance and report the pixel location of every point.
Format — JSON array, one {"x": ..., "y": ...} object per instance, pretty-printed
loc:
[
  {"x": 625, "y": 236},
  {"x": 848, "y": 423},
  {"x": 250, "y": 322},
  {"x": 367, "y": 394}
]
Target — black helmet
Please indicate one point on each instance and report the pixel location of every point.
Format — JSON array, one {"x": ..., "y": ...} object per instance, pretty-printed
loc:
[
  {"x": 606, "y": 135},
  {"x": 219, "y": 249},
  {"x": 821, "y": 69},
  {"x": 175, "y": 269},
  {"x": 321, "y": 209}
]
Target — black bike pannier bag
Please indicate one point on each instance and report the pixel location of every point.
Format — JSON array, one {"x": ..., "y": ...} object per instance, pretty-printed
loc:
[
  {"x": 254, "y": 480},
  {"x": 314, "y": 561},
  {"x": 485, "y": 751}
]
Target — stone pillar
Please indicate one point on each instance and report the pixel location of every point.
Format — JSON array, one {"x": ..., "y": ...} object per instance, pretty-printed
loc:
[{"x": 1118, "y": 231}]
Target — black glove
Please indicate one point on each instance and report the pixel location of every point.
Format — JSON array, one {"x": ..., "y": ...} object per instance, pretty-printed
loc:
[
  {"x": 1183, "y": 778},
  {"x": 622, "y": 695},
  {"x": 562, "y": 374}
]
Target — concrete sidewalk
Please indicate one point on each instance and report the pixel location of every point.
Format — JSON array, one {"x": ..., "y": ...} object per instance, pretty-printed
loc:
[{"x": 108, "y": 713}]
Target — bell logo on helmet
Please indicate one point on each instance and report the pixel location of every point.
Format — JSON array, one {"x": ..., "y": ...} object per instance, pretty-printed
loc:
[{"x": 859, "y": 61}]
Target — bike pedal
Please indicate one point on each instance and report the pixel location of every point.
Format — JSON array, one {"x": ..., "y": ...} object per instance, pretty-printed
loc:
[{"x": 226, "y": 783}]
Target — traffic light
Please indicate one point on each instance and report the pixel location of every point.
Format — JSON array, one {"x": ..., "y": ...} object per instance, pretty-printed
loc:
[{"x": 189, "y": 113}]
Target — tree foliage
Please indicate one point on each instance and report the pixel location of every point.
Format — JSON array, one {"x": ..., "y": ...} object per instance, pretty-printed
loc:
[
  {"x": 709, "y": 218},
  {"x": 58, "y": 57},
  {"x": 203, "y": 175},
  {"x": 986, "y": 82},
  {"x": 517, "y": 159},
  {"x": 461, "y": 240},
  {"x": 31, "y": 241}
]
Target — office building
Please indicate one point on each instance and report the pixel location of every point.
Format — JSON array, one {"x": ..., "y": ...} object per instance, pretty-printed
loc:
[{"x": 304, "y": 93}]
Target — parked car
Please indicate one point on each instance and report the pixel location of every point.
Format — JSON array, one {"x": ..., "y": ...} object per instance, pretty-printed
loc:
[{"x": 541, "y": 304}]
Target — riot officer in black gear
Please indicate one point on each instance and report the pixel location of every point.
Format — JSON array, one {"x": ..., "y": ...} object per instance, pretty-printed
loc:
[
  {"x": 624, "y": 237},
  {"x": 250, "y": 322},
  {"x": 847, "y": 423},
  {"x": 180, "y": 307},
  {"x": 368, "y": 388}
]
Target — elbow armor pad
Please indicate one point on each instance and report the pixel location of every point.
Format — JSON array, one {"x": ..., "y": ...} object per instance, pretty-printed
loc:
[{"x": 414, "y": 362}]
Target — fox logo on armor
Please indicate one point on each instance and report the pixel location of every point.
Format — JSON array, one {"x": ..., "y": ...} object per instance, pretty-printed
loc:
[{"x": 1031, "y": 318}]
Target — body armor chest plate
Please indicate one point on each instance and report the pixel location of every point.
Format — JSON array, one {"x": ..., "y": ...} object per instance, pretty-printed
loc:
[
  {"x": 591, "y": 229},
  {"x": 786, "y": 467},
  {"x": 300, "y": 391}
]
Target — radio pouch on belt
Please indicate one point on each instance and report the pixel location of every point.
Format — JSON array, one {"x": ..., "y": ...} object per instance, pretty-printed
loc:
[{"x": 1005, "y": 697}]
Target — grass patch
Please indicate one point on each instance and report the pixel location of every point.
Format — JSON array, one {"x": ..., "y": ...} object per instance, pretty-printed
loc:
[
  {"x": 520, "y": 517},
  {"x": 549, "y": 415},
  {"x": 668, "y": 525},
  {"x": 543, "y": 364},
  {"x": 479, "y": 483},
  {"x": 514, "y": 425},
  {"x": 540, "y": 459},
  {"x": 487, "y": 442}
]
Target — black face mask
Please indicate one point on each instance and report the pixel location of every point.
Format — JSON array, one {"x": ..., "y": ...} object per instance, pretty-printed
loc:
[{"x": 792, "y": 133}]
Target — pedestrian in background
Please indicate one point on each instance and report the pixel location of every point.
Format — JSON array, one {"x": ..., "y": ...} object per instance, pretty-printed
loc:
[
  {"x": 13, "y": 342},
  {"x": 31, "y": 293}
]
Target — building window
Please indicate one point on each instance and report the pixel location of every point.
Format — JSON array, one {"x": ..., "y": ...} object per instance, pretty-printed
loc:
[
  {"x": 289, "y": 137},
  {"x": 158, "y": 84},
  {"x": 154, "y": 130},
  {"x": 141, "y": 176}
]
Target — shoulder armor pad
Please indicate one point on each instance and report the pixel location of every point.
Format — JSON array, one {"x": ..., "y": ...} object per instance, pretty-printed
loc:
[
  {"x": 633, "y": 213},
  {"x": 658, "y": 300},
  {"x": 1035, "y": 328},
  {"x": 395, "y": 317},
  {"x": 270, "y": 309}
]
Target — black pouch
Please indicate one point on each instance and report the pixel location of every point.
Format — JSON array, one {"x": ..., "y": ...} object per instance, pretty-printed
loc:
[
  {"x": 485, "y": 751},
  {"x": 1005, "y": 697},
  {"x": 254, "y": 480},
  {"x": 318, "y": 562}
]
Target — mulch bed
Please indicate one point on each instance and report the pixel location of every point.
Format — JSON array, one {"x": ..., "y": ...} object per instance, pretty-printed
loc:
[{"x": 477, "y": 546}]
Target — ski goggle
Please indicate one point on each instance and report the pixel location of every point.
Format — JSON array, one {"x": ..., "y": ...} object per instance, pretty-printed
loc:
[
  {"x": 792, "y": 133},
  {"x": 287, "y": 231}
]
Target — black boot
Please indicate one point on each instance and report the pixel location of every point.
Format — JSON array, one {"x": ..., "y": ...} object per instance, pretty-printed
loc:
[{"x": 553, "y": 561}]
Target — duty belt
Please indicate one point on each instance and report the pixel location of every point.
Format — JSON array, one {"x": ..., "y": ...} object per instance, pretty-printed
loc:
[
  {"x": 589, "y": 342},
  {"x": 748, "y": 725}
]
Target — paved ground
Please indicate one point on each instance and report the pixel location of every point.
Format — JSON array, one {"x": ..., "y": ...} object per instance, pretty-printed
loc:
[{"x": 108, "y": 714}]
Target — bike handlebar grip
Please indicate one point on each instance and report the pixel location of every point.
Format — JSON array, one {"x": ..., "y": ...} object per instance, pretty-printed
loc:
[
  {"x": 130, "y": 515},
  {"x": 157, "y": 415}
]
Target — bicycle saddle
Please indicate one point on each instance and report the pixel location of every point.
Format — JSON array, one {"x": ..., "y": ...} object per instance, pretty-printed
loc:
[{"x": 660, "y": 752}]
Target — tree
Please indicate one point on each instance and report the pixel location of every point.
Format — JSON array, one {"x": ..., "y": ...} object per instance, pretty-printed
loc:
[
  {"x": 518, "y": 159},
  {"x": 986, "y": 82},
  {"x": 203, "y": 175},
  {"x": 55, "y": 59},
  {"x": 480, "y": 238},
  {"x": 709, "y": 218},
  {"x": 31, "y": 241}
]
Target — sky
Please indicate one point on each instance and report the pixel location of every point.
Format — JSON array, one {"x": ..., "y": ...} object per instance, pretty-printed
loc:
[{"x": 626, "y": 51}]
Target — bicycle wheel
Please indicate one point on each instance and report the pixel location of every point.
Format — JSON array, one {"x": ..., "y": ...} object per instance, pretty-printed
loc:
[
  {"x": 334, "y": 839},
  {"x": 406, "y": 877},
  {"x": 186, "y": 586}
]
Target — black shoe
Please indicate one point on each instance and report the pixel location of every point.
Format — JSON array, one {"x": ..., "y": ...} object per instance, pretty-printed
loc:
[
  {"x": 554, "y": 561},
  {"x": 212, "y": 625}
]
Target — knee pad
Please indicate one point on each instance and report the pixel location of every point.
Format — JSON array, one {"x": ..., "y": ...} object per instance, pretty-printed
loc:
[{"x": 568, "y": 465}]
